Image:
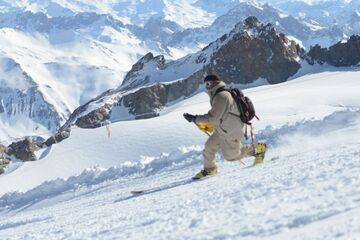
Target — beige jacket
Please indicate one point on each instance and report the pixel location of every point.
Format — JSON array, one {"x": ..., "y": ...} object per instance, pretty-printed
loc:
[{"x": 223, "y": 115}]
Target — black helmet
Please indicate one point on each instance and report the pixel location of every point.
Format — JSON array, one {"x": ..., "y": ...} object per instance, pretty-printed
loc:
[{"x": 211, "y": 78}]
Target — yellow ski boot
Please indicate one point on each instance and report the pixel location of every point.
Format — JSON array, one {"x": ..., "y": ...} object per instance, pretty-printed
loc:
[
  {"x": 204, "y": 173},
  {"x": 260, "y": 149}
]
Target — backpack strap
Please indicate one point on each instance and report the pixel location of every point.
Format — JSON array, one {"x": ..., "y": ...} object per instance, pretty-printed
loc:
[
  {"x": 239, "y": 108},
  {"x": 251, "y": 133},
  {"x": 221, "y": 89}
]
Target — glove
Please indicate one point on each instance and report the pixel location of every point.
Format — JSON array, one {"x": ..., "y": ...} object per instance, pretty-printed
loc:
[
  {"x": 189, "y": 117},
  {"x": 206, "y": 127}
]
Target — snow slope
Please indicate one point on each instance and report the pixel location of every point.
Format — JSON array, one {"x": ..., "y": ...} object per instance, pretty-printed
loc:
[{"x": 81, "y": 188}]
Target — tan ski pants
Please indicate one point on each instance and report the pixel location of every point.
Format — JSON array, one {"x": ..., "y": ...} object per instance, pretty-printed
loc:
[{"x": 232, "y": 150}]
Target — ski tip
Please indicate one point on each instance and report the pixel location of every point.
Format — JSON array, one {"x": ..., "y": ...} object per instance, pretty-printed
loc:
[{"x": 136, "y": 192}]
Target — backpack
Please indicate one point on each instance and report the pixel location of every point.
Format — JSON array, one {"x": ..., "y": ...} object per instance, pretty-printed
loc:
[
  {"x": 245, "y": 107},
  {"x": 244, "y": 104}
]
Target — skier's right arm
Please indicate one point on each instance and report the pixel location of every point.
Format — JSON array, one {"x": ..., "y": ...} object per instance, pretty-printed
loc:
[{"x": 217, "y": 111}]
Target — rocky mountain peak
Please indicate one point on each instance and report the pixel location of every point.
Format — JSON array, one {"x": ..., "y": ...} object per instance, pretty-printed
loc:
[
  {"x": 137, "y": 70},
  {"x": 255, "y": 50},
  {"x": 251, "y": 22}
]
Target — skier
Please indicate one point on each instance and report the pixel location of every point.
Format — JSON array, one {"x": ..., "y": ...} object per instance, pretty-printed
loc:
[{"x": 228, "y": 129}]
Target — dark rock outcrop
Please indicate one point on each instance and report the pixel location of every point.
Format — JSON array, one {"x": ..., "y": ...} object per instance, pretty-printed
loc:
[
  {"x": 339, "y": 55},
  {"x": 145, "y": 102},
  {"x": 3, "y": 160},
  {"x": 23, "y": 150},
  {"x": 256, "y": 52},
  {"x": 58, "y": 137},
  {"x": 95, "y": 118}
]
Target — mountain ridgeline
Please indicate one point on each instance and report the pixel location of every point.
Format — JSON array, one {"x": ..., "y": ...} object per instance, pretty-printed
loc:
[
  {"x": 75, "y": 50},
  {"x": 341, "y": 54},
  {"x": 251, "y": 51}
]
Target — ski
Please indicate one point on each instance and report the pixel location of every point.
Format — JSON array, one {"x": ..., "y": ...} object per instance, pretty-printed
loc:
[
  {"x": 137, "y": 192},
  {"x": 168, "y": 186},
  {"x": 161, "y": 187}
]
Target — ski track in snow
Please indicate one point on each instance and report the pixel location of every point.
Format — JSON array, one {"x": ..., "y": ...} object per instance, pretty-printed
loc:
[{"x": 286, "y": 197}]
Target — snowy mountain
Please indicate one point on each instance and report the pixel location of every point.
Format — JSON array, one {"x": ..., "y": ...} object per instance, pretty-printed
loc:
[
  {"x": 69, "y": 61},
  {"x": 73, "y": 54},
  {"x": 75, "y": 50},
  {"x": 80, "y": 189},
  {"x": 258, "y": 53},
  {"x": 339, "y": 17},
  {"x": 307, "y": 31},
  {"x": 186, "y": 13}
]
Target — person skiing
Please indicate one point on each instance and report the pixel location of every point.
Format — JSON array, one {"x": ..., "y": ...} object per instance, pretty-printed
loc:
[{"x": 228, "y": 129}]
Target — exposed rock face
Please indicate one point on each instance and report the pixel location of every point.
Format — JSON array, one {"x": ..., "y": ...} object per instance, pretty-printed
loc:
[
  {"x": 3, "y": 161},
  {"x": 58, "y": 137},
  {"x": 339, "y": 55},
  {"x": 145, "y": 102},
  {"x": 95, "y": 118},
  {"x": 256, "y": 52},
  {"x": 23, "y": 150}
]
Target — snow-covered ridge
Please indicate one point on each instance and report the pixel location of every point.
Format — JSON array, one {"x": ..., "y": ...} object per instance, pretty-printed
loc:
[
  {"x": 31, "y": 22},
  {"x": 306, "y": 31},
  {"x": 128, "y": 11}
]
